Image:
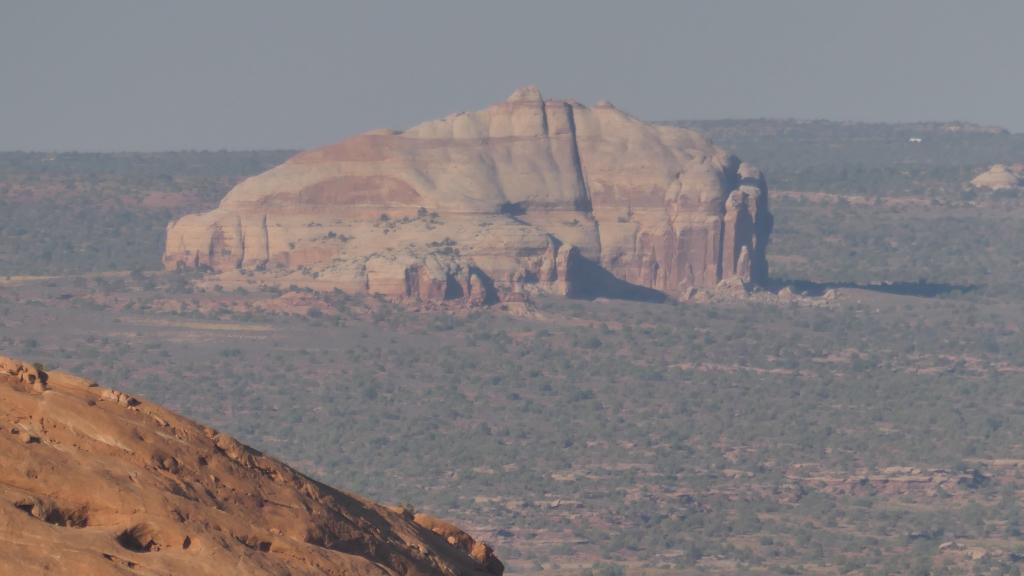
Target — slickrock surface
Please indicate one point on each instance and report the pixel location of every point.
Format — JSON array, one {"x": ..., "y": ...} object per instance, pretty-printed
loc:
[
  {"x": 529, "y": 195},
  {"x": 93, "y": 481},
  {"x": 1000, "y": 177}
]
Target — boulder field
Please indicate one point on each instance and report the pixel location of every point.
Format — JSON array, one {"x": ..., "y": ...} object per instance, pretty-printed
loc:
[
  {"x": 95, "y": 481},
  {"x": 528, "y": 195}
]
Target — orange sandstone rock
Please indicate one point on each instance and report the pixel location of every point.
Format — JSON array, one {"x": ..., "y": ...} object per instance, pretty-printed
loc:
[{"x": 94, "y": 481}]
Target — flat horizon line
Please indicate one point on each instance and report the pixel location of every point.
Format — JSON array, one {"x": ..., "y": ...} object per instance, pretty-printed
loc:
[{"x": 1003, "y": 131}]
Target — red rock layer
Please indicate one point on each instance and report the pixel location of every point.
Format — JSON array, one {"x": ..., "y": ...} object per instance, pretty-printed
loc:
[{"x": 94, "y": 481}]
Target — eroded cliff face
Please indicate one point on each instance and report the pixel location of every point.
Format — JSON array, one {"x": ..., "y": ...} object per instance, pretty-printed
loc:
[
  {"x": 529, "y": 195},
  {"x": 94, "y": 481}
]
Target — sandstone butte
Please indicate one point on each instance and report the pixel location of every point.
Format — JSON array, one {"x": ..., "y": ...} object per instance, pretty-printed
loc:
[
  {"x": 94, "y": 481},
  {"x": 528, "y": 195},
  {"x": 1000, "y": 177}
]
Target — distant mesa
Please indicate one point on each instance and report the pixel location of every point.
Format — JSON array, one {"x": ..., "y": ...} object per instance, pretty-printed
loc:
[
  {"x": 1000, "y": 177},
  {"x": 94, "y": 481},
  {"x": 525, "y": 196}
]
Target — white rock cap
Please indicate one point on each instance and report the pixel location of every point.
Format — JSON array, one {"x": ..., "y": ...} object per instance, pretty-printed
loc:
[{"x": 526, "y": 94}]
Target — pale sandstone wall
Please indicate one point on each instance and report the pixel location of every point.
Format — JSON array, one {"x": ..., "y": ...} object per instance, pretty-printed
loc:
[{"x": 501, "y": 200}]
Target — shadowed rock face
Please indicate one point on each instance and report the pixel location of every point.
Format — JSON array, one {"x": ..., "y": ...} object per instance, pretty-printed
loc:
[
  {"x": 523, "y": 196},
  {"x": 94, "y": 481}
]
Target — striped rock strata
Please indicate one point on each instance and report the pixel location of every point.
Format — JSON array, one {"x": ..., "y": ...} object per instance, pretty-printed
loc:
[{"x": 529, "y": 195}]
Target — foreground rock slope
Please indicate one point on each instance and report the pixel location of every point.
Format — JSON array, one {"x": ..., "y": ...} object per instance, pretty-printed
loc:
[
  {"x": 528, "y": 195},
  {"x": 94, "y": 481}
]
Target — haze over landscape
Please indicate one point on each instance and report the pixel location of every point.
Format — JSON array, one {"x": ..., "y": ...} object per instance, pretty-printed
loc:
[
  {"x": 124, "y": 76},
  {"x": 473, "y": 289}
]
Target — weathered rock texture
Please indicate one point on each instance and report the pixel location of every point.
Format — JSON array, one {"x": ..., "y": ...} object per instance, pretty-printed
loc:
[
  {"x": 526, "y": 195},
  {"x": 1000, "y": 177},
  {"x": 94, "y": 481}
]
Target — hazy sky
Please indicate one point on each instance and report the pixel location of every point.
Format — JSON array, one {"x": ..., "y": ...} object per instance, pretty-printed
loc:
[{"x": 148, "y": 75}]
